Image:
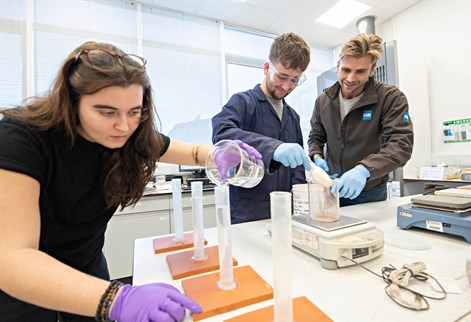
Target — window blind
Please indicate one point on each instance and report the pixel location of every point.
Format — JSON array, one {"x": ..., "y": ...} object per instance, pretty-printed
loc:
[{"x": 12, "y": 49}]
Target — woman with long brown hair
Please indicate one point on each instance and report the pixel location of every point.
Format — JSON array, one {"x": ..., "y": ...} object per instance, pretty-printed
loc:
[{"x": 68, "y": 160}]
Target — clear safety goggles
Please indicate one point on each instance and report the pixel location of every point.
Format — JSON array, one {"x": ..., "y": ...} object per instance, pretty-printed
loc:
[{"x": 281, "y": 78}]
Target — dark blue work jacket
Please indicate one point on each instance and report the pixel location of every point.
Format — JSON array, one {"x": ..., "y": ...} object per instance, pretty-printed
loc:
[{"x": 248, "y": 116}]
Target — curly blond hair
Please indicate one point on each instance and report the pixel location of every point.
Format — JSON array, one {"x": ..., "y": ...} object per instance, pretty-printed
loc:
[{"x": 362, "y": 45}]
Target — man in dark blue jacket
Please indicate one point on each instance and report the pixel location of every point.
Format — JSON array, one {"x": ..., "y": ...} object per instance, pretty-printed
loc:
[{"x": 261, "y": 118}]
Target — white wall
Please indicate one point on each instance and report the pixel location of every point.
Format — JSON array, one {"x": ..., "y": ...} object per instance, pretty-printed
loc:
[{"x": 434, "y": 63}]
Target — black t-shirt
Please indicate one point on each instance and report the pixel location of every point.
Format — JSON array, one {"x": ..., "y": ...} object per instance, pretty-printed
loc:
[{"x": 73, "y": 211}]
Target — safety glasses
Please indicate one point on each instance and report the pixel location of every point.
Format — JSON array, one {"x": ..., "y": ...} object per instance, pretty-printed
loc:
[
  {"x": 281, "y": 78},
  {"x": 102, "y": 59}
]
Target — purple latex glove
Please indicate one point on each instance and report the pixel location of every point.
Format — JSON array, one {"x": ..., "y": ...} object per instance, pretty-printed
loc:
[
  {"x": 156, "y": 302},
  {"x": 249, "y": 149},
  {"x": 229, "y": 158}
]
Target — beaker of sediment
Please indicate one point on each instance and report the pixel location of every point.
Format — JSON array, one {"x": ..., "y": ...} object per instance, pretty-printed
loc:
[{"x": 323, "y": 203}]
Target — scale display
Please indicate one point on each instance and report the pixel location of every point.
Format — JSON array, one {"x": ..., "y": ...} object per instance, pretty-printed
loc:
[{"x": 335, "y": 243}]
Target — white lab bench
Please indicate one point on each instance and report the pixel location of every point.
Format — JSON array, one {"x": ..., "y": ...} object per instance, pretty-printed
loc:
[
  {"x": 346, "y": 294},
  {"x": 413, "y": 186}
]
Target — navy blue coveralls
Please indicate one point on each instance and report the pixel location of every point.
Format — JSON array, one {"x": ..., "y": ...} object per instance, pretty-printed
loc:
[{"x": 249, "y": 117}]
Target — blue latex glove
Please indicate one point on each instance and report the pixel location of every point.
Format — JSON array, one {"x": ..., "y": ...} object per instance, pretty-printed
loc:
[
  {"x": 321, "y": 163},
  {"x": 151, "y": 302},
  {"x": 292, "y": 155},
  {"x": 352, "y": 182},
  {"x": 333, "y": 176},
  {"x": 230, "y": 158}
]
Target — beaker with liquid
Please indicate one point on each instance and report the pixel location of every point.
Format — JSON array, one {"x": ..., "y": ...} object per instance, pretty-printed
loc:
[
  {"x": 323, "y": 203},
  {"x": 229, "y": 164}
]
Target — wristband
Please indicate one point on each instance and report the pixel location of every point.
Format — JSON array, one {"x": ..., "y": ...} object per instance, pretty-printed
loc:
[{"x": 103, "y": 310}]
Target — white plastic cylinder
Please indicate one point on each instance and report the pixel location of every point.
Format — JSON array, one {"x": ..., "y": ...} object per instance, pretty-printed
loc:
[
  {"x": 280, "y": 204},
  {"x": 177, "y": 209},
  {"x": 226, "y": 281},
  {"x": 198, "y": 222}
]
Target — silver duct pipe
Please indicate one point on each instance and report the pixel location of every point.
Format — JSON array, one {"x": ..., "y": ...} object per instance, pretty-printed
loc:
[{"x": 366, "y": 25}]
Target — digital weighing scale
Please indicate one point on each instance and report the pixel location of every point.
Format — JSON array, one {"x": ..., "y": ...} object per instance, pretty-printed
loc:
[
  {"x": 443, "y": 213},
  {"x": 334, "y": 243}
]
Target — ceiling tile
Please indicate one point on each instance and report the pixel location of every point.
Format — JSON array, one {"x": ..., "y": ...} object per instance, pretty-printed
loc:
[
  {"x": 279, "y": 16},
  {"x": 380, "y": 14},
  {"x": 224, "y": 11},
  {"x": 189, "y": 6},
  {"x": 396, "y": 7},
  {"x": 257, "y": 18},
  {"x": 373, "y": 3},
  {"x": 309, "y": 10},
  {"x": 277, "y": 6},
  {"x": 325, "y": 36},
  {"x": 285, "y": 23}
]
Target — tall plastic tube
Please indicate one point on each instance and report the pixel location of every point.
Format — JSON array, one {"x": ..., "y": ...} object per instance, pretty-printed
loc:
[
  {"x": 280, "y": 204},
  {"x": 177, "y": 209},
  {"x": 226, "y": 281},
  {"x": 198, "y": 222}
]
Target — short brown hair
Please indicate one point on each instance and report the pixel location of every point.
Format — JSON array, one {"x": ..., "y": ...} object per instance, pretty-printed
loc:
[
  {"x": 362, "y": 45},
  {"x": 291, "y": 51}
]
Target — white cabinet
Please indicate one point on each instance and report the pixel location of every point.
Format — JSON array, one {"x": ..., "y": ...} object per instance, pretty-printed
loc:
[
  {"x": 209, "y": 211},
  {"x": 151, "y": 216}
]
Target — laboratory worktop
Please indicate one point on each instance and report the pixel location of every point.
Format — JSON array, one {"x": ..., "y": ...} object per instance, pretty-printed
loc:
[
  {"x": 413, "y": 186},
  {"x": 166, "y": 189},
  {"x": 464, "y": 182},
  {"x": 348, "y": 293}
]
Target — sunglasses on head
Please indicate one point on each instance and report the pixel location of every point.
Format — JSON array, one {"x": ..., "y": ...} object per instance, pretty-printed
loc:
[{"x": 102, "y": 59}]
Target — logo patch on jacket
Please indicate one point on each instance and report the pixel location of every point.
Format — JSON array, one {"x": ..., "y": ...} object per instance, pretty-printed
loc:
[
  {"x": 406, "y": 117},
  {"x": 367, "y": 115}
]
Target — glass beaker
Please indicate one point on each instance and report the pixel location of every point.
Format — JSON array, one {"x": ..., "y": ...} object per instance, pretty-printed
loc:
[
  {"x": 227, "y": 163},
  {"x": 323, "y": 204}
]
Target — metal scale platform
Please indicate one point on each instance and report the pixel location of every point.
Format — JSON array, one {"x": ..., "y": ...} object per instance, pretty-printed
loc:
[
  {"x": 447, "y": 211},
  {"x": 334, "y": 242}
]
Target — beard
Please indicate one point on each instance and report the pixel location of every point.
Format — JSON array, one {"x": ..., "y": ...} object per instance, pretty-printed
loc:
[{"x": 272, "y": 91}]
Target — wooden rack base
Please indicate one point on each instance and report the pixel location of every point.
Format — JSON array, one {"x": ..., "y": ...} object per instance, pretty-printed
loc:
[
  {"x": 205, "y": 291},
  {"x": 167, "y": 243},
  {"x": 303, "y": 311},
  {"x": 182, "y": 264}
]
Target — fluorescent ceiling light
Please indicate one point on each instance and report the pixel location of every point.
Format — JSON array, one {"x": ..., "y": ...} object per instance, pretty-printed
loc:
[{"x": 343, "y": 12}]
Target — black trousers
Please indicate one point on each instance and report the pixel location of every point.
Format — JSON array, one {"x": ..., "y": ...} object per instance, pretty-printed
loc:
[{"x": 13, "y": 310}]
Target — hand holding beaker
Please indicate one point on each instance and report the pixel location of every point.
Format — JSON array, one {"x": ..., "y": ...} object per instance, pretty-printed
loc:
[{"x": 235, "y": 163}]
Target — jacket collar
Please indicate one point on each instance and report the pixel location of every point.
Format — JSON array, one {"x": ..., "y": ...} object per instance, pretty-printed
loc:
[
  {"x": 259, "y": 93},
  {"x": 261, "y": 97}
]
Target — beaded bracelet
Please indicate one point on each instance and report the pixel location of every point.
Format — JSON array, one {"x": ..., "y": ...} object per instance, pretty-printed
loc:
[{"x": 103, "y": 310}]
